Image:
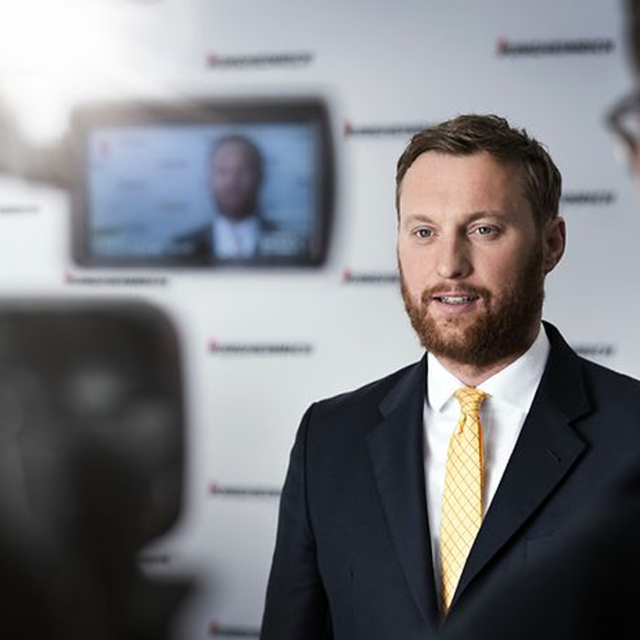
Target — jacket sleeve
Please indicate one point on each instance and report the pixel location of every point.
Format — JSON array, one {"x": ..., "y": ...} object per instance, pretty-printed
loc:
[{"x": 296, "y": 604}]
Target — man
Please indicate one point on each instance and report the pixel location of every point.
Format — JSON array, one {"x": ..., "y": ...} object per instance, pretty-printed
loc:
[
  {"x": 237, "y": 232},
  {"x": 588, "y": 587},
  {"x": 501, "y": 426}
]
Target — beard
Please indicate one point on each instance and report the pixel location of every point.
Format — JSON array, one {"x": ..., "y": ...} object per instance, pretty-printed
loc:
[{"x": 503, "y": 328}]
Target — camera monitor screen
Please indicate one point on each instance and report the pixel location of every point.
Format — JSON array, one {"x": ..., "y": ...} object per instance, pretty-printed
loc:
[{"x": 202, "y": 184}]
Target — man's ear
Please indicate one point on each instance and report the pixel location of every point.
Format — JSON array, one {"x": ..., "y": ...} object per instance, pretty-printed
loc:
[{"x": 554, "y": 240}]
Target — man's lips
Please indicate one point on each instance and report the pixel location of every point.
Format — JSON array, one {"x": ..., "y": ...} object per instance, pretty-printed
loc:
[
  {"x": 455, "y": 298},
  {"x": 452, "y": 302}
]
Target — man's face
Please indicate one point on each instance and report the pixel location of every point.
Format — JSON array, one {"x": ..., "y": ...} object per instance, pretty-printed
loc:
[
  {"x": 234, "y": 178},
  {"x": 472, "y": 260}
]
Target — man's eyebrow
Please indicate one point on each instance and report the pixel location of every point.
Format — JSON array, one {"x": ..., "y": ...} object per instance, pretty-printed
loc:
[
  {"x": 491, "y": 213},
  {"x": 470, "y": 217},
  {"x": 417, "y": 217}
]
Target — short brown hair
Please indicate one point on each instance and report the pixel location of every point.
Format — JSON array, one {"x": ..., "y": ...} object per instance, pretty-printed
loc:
[{"x": 469, "y": 134}]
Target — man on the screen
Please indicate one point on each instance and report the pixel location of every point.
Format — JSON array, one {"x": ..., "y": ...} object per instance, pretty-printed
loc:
[{"x": 238, "y": 230}]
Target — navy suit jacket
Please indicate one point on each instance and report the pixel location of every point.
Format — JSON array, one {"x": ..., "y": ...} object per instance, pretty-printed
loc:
[
  {"x": 589, "y": 588},
  {"x": 353, "y": 558}
]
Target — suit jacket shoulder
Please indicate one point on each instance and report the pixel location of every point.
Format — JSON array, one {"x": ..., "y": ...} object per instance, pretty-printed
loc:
[
  {"x": 194, "y": 246},
  {"x": 372, "y": 393},
  {"x": 604, "y": 382},
  {"x": 339, "y": 426},
  {"x": 578, "y": 387}
]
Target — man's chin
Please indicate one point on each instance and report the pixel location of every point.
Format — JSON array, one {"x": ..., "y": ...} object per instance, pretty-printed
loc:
[
  {"x": 461, "y": 339},
  {"x": 455, "y": 328},
  {"x": 479, "y": 343},
  {"x": 451, "y": 346}
]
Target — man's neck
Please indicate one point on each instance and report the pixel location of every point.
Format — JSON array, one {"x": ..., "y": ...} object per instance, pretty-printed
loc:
[
  {"x": 473, "y": 375},
  {"x": 238, "y": 219}
]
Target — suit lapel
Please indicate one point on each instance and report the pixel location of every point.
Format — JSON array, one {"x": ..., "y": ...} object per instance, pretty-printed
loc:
[
  {"x": 546, "y": 451},
  {"x": 396, "y": 451}
]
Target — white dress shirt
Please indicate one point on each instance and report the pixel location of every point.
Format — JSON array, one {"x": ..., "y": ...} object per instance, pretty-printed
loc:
[
  {"x": 502, "y": 416},
  {"x": 235, "y": 239}
]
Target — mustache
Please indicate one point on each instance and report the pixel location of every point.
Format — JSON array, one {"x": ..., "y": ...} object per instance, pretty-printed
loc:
[{"x": 430, "y": 292}]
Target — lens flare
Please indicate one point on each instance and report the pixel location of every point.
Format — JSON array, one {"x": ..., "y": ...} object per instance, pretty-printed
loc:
[{"x": 52, "y": 53}]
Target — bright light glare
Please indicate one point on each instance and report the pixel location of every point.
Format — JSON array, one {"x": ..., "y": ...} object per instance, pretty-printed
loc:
[{"x": 53, "y": 53}]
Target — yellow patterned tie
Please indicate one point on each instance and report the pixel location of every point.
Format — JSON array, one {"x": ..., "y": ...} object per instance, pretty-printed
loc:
[{"x": 462, "y": 500}]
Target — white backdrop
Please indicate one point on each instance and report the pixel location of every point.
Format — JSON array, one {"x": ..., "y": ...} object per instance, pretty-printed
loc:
[{"x": 384, "y": 68}]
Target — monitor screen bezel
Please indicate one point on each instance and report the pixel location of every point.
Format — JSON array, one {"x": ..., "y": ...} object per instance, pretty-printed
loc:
[{"x": 89, "y": 118}]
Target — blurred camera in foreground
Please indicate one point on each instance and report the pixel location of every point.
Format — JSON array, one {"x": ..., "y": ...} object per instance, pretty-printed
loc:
[{"x": 91, "y": 454}]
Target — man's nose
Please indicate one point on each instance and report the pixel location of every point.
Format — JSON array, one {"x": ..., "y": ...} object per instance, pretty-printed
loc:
[{"x": 453, "y": 257}]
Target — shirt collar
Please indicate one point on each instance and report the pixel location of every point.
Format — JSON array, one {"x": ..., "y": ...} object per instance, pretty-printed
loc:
[
  {"x": 515, "y": 385},
  {"x": 245, "y": 225}
]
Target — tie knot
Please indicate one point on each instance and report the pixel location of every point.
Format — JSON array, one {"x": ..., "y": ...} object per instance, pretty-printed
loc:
[{"x": 470, "y": 400}]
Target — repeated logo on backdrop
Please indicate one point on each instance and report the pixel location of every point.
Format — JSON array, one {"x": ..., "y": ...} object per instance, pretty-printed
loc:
[
  {"x": 236, "y": 491},
  {"x": 381, "y": 130},
  {"x": 260, "y": 348},
  {"x": 369, "y": 277},
  {"x": 585, "y": 46},
  {"x": 596, "y": 197},
  {"x": 595, "y": 350},
  {"x": 15, "y": 209},
  {"x": 260, "y": 60},
  {"x": 127, "y": 280}
]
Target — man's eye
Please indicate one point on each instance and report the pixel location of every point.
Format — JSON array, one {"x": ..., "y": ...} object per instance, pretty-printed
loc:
[
  {"x": 424, "y": 233},
  {"x": 485, "y": 230}
]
